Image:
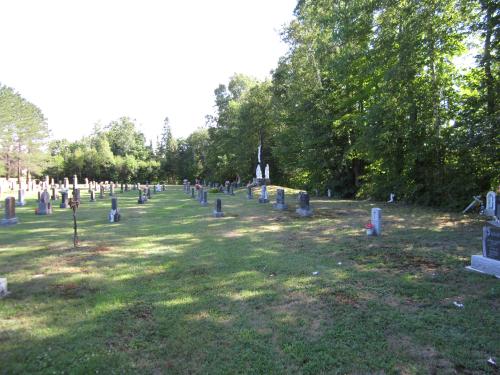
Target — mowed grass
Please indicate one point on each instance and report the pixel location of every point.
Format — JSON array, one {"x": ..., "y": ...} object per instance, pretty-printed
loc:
[{"x": 170, "y": 289}]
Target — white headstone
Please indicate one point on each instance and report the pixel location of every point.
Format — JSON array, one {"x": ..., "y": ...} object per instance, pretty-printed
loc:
[
  {"x": 258, "y": 172},
  {"x": 491, "y": 198},
  {"x": 3, "y": 287},
  {"x": 377, "y": 221},
  {"x": 266, "y": 172}
]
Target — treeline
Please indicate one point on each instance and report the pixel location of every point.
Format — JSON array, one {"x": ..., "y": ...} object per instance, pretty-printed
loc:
[{"x": 370, "y": 99}]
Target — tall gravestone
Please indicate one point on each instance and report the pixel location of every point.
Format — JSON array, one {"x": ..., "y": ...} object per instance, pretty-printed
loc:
[
  {"x": 64, "y": 199},
  {"x": 280, "y": 200},
  {"x": 192, "y": 192},
  {"x": 44, "y": 206},
  {"x": 304, "y": 209},
  {"x": 76, "y": 195},
  {"x": 264, "y": 196},
  {"x": 376, "y": 220},
  {"x": 218, "y": 208},
  {"x": 66, "y": 183},
  {"x": 101, "y": 191},
  {"x": 10, "y": 212},
  {"x": 92, "y": 195},
  {"x": 114, "y": 214},
  {"x": 20, "y": 197},
  {"x": 75, "y": 182}
]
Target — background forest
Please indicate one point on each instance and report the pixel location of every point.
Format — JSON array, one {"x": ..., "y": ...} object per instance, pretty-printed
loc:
[{"x": 372, "y": 97}]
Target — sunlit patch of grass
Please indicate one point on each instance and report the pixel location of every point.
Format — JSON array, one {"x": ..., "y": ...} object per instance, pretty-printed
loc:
[{"x": 170, "y": 289}]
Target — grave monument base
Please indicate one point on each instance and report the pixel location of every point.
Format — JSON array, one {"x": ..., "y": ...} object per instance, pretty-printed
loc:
[
  {"x": 280, "y": 206},
  {"x": 10, "y": 221},
  {"x": 218, "y": 214},
  {"x": 304, "y": 212},
  {"x": 485, "y": 265}
]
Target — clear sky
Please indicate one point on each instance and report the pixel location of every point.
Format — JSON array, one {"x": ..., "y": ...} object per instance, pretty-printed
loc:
[{"x": 83, "y": 62}]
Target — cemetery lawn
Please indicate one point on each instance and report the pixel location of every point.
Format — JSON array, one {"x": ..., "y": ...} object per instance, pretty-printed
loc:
[{"x": 170, "y": 289}]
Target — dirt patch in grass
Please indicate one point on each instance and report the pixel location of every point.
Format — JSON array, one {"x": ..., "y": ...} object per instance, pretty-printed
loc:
[
  {"x": 426, "y": 355},
  {"x": 141, "y": 310},
  {"x": 72, "y": 290}
]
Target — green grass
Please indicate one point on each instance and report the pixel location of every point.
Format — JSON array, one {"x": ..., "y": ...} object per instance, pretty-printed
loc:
[{"x": 170, "y": 289}]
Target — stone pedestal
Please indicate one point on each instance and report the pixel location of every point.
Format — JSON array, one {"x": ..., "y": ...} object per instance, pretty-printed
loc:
[{"x": 485, "y": 265}]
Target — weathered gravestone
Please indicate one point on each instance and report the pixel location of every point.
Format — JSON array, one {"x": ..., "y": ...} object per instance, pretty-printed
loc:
[
  {"x": 101, "y": 191},
  {"x": 92, "y": 195},
  {"x": 264, "y": 196},
  {"x": 44, "y": 206},
  {"x": 148, "y": 192},
  {"x": 249, "y": 192},
  {"x": 20, "y": 197},
  {"x": 492, "y": 205},
  {"x": 204, "y": 199},
  {"x": 192, "y": 192},
  {"x": 376, "y": 220},
  {"x": 10, "y": 212},
  {"x": 218, "y": 208},
  {"x": 64, "y": 199},
  {"x": 280, "y": 200},
  {"x": 200, "y": 194},
  {"x": 329, "y": 193},
  {"x": 121, "y": 187},
  {"x": 114, "y": 215},
  {"x": 304, "y": 209},
  {"x": 75, "y": 182},
  {"x": 3, "y": 287}
]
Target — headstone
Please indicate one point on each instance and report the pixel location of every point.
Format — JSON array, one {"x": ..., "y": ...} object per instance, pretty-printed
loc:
[
  {"x": 114, "y": 215},
  {"x": 304, "y": 209},
  {"x": 64, "y": 199},
  {"x": 392, "y": 198},
  {"x": 10, "y": 212},
  {"x": 66, "y": 183},
  {"x": 280, "y": 200},
  {"x": 489, "y": 261},
  {"x": 249, "y": 192},
  {"x": 20, "y": 197},
  {"x": 142, "y": 197},
  {"x": 92, "y": 195},
  {"x": 200, "y": 194},
  {"x": 204, "y": 200},
  {"x": 264, "y": 196},
  {"x": 376, "y": 221},
  {"x": 218, "y": 208},
  {"x": 491, "y": 203},
  {"x": 329, "y": 193},
  {"x": 148, "y": 192},
  {"x": 101, "y": 191},
  {"x": 44, "y": 206},
  {"x": 75, "y": 182},
  {"x": 192, "y": 192},
  {"x": 3, "y": 287},
  {"x": 266, "y": 173}
]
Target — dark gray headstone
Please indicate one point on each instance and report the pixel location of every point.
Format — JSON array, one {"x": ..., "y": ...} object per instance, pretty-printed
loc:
[
  {"x": 264, "y": 196},
  {"x": 249, "y": 192},
  {"x": 491, "y": 242},
  {"x": 54, "y": 194},
  {"x": 192, "y": 192},
  {"x": 114, "y": 214},
  {"x": 204, "y": 201},
  {"x": 148, "y": 192},
  {"x": 304, "y": 209},
  {"x": 64, "y": 199},
  {"x": 280, "y": 200},
  {"x": 218, "y": 208},
  {"x": 92, "y": 195}
]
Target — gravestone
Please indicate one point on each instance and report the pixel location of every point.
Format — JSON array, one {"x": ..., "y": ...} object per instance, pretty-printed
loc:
[
  {"x": 54, "y": 195},
  {"x": 163, "y": 187},
  {"x": 329, "y": 193},
  {"x": 66, "y": 183},
  {"x": 376, "y": 220},
  {"x": 200, "y": 194},
  {"x": 249, "y": 192},
  {"x": 44, "y": 206},
  {"x": 92, "y": 195},
  {"x": 76, "y": 195},
  {"x": 112, "y": 190},
  {"x": 491, "y": 204},
  {"x": 204, "y": 199},
  {"x": 218, "y": 208},
  {"x": 3, "y": 287},
  {"x": 489, "y": 261},
  {"x": 231, "y": 191},
  {"x": 148, "y": 193},
  {"x": 20, "y": 197},
  {"x": 192, "y": 192},
  {"x": 264, "y": 196},
  {"x": 64, "y": 199},
  {"x": 304, "y": 209},
  {"x": 142, "y": 197},
  {"x": 75, "y": 182},
  {"x": 114, "y": 215},
  {"x": 10, "y": 212},
  {"x": 280, "y": 200}
]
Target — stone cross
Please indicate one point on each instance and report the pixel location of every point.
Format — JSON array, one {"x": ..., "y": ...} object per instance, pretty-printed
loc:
[
  {"x": 280, "y": 200},
  {"x": 304, "y": 209},
  {"x": 218, "y": 208},
  {"x": 10, "y": 212}
]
